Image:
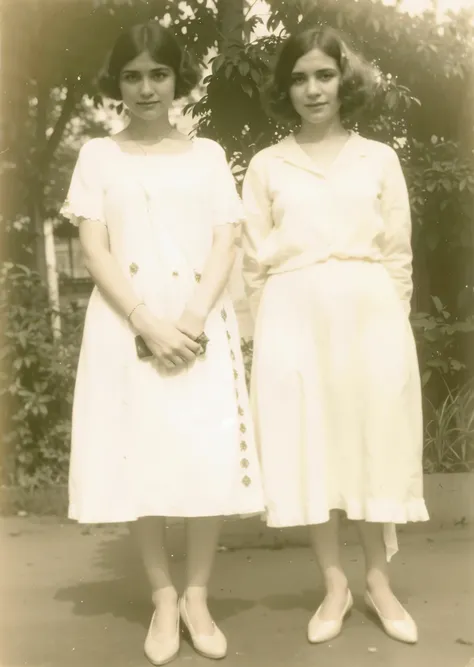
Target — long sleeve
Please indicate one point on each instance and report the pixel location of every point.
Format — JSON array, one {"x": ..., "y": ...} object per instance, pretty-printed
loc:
[
  {"x": 257, "y": 226},
  {"x": 396, "y": 248}
]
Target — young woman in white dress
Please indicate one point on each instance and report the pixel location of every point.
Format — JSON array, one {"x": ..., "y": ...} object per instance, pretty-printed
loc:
[
  {"x": 169, "y": 434},
  {"x": 335, "y": 383}
]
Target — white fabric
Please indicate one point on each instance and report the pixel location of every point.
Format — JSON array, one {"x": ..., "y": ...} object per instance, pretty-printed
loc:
[
  {"x": 146, "y": 442},
  {"x": 298, "y": 216},
  {"x": 336, "y": 393}
]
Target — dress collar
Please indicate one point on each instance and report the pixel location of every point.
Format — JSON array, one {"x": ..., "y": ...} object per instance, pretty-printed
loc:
[{"x": 291, "y": 152}]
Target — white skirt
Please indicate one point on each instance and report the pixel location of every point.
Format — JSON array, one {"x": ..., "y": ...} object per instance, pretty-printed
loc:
[
  {"x": 336, "y": 398},
  {"x": 147, "y": 442}
]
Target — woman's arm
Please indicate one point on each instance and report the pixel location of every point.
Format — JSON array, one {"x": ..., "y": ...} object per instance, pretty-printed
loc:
[
  {"x": 104, "y": 269},
  {"x": 257, "y": 226},
  {"x": 165, "y": 341},
  {"x": 396, "y": 249},
  {"x": 212, "y": 282},
  {"x": 225, "y": 212}
]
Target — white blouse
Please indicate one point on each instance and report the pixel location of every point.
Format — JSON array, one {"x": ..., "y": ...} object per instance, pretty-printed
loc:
[{"x": 296, "y": 215}]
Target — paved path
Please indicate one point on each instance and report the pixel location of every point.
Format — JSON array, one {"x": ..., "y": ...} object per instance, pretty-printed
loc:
[{"x": 76, "y": 597}]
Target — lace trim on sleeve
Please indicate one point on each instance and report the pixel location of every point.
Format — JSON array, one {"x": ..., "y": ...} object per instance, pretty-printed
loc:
[{"x": 75, "y": 213}]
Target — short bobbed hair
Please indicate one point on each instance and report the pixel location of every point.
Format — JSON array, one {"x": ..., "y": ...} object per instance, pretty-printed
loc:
[
  {"x": 358, "y": 78},
  {"x": 161, "y": 45}
]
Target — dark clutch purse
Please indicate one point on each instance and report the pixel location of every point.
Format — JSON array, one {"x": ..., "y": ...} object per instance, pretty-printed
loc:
[{"x": 144, "y": 352}]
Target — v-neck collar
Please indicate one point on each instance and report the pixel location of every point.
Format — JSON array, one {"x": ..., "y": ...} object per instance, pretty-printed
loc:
[{"x": 290, "y": 151}]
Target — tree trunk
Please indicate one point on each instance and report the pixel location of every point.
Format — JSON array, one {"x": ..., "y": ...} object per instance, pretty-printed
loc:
[
  {"x": 231, "y": 15},
  {"x": 52, "y": 278},
  {"x": 26, "y": 150},
  {"x": 38, "y": 175},
  {"x": 14, "y": 126}
]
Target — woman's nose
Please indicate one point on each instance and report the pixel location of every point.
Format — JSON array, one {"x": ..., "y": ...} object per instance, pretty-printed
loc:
[
  {"x": 312, "y": 86},
  {"x": 146, "y": 88}
]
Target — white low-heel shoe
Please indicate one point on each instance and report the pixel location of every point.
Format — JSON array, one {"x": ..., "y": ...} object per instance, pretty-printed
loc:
[
  {"x": 210, "y": 646},
  {"x": 160, "y": 649},
  {"x": 404, "y": 630},
  {"x": 322, "y": 631}
]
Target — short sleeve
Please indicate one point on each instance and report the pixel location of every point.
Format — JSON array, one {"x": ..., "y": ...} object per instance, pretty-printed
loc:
[
  {"x": 85, "y": 198},
  {"x": 226, "y": 204},
  {"x": 396, "y": 248}
]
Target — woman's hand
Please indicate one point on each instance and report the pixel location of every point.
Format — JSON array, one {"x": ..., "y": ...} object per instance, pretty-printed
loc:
[
  {"x": 191, "y": 324},
  {"x": 168, "y": 344}
]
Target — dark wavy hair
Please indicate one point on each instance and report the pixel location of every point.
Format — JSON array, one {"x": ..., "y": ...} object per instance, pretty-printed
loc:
[
  {"x": 163, "y": 47},
  {"x": 357, "y": 76}
]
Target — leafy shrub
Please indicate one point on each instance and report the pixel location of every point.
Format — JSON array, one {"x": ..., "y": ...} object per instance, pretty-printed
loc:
[{"x": 438, "y": 339}]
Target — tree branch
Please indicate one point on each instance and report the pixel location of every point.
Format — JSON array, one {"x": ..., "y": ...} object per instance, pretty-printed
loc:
[
  {"x": 58, "y": 131},
  {"x": 250, "y": 6}
]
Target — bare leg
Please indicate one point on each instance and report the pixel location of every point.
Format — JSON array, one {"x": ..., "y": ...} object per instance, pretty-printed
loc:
[
  {"x": 325, "y": 543},
  {"x": 377, "y": 577},
  {"x": 202, "y": 539},
  {"x": 149, "y": 532}
]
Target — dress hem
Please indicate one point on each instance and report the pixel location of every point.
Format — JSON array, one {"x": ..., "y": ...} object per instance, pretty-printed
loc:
[
  {"x": 414, "y": 512},
  {"x": 95, "y": 520}
]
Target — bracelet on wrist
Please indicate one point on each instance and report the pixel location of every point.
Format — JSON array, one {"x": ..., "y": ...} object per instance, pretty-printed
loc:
[{"x": 140, "y": 303}]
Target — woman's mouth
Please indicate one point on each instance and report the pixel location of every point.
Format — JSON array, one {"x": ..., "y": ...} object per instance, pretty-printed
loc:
[{"x": 316, "y": 105}]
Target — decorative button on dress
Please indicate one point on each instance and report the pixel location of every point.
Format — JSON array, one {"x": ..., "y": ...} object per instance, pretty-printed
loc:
[
  {"x": 145, "y": 441},
  {"x": 336, "y": 393}
]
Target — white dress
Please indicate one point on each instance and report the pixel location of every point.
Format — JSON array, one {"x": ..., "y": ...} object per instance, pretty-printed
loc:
[
  {"x": 336, "y": 393},
  {"x": 146, "y": 442}
]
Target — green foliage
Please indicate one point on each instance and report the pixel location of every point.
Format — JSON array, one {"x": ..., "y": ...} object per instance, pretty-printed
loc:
[
  {"x": 441, "y": 180},
  {"x": 37, "y": 380},
  {"x": 449, "y": 433},
  {"x": 231, "y": 111},
  {"x": 439, "y": 340}
]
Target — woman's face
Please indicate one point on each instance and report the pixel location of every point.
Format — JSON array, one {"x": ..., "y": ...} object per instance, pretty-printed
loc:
[
  {"x": 147, "y": 87},
  {"x": 314, "y": 89}
]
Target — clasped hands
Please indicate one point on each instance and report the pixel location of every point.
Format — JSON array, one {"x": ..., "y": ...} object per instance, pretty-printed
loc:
[{"x": 174, "y": 345}]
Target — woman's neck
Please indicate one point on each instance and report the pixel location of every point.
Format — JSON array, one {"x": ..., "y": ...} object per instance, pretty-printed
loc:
[
  {"x": 316, "y": 132},
  {"x": 148, "y": 131}
]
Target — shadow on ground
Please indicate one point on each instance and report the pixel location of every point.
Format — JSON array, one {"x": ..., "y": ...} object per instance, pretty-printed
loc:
[{"x": 123, "y": 590}]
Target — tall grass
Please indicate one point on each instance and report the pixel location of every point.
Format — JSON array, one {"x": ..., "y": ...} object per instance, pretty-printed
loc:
[{"x": 449, "y": 433}]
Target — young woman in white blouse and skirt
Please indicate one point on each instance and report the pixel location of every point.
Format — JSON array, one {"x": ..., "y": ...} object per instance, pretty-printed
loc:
[
  {"x": 336, "y": 390},
  {"x": 161, "y": 423}
]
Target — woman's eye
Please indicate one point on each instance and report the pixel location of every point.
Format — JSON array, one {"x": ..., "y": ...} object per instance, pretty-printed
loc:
[
  {"x": 326, "y": 76},
  {"x": 159, "y": 76},
  {"x": 299, "y": 78},
  {"x": 130, "y": 77}
]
